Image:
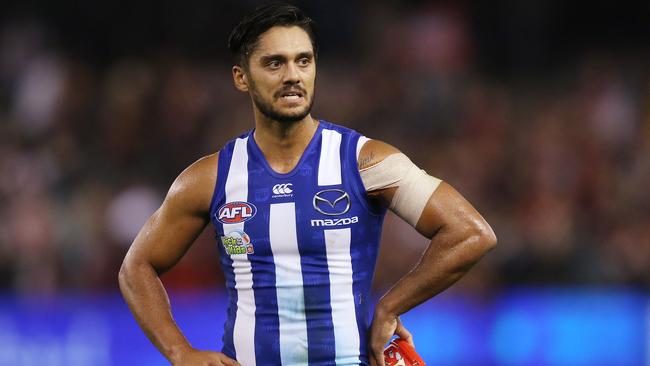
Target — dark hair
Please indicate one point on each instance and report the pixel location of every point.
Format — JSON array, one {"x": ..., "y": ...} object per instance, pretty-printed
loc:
[{"x": 243, "y": 38}]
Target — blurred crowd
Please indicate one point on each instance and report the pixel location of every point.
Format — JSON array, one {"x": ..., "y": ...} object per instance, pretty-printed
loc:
[{"x": 557, "y": 162}]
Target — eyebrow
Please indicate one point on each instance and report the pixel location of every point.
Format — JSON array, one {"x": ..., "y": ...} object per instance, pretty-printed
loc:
[{"x": 279, "y": 57}]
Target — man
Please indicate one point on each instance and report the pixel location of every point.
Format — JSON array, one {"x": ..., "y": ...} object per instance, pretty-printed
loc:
[{"x": 297, "y": 205}]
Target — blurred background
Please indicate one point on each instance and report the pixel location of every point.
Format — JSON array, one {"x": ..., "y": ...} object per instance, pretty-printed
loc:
[{"x": 538, "y": 112}]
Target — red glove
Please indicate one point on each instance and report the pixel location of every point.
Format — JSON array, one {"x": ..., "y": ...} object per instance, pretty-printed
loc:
[{"x": 400, "y": 353}]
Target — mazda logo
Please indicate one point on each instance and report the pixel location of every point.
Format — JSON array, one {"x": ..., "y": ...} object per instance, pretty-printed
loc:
[{"x": 332, "y": 202}]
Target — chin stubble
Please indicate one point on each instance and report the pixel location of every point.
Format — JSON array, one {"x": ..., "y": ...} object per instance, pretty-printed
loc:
[{"x": 268, "y": 110}]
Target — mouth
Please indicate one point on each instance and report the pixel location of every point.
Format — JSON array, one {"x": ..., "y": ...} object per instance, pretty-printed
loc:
[{"x": 291, "y": 95}]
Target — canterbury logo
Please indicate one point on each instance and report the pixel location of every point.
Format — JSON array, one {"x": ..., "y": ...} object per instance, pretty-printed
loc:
[{"x": 283, "y": 188}]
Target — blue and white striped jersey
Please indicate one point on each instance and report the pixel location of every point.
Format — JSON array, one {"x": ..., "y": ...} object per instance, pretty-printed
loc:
[{"x": 298, "y": 251}]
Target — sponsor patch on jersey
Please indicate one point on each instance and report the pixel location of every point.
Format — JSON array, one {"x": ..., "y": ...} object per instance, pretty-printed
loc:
[
  {"x": 332, "y": 202},
  {"x": 282, "y": 190},
  {"x": 335, "y": 222},
  {"x": 237, "y": 242},
  {"x": 235, "y": 212}
]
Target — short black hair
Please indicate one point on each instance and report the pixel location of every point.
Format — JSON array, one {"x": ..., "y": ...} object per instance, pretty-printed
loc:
[{"x": 243, "y": 38}]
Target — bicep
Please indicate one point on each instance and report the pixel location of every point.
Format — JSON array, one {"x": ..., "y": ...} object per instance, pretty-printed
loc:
[
  {"x": 172, "y": 229},
  {"x": 167, "y": 236}
]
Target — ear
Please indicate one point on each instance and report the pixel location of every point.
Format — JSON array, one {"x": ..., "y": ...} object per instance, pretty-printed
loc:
[{"x": 240, "y": 78}]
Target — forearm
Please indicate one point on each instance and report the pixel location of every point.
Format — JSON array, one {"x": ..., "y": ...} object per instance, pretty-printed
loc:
[
  {"x": 149, "y": 303},
  {"x": 448, "y": 257}
]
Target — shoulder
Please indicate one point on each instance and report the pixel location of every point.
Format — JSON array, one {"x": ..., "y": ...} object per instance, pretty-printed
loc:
[
  {"x": 193, "y": 188},
  {"x": 345, "y": 131},
  {"x": 373, "y": 152}
]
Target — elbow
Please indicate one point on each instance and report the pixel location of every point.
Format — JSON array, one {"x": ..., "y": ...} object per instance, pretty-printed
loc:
[
  {"x": 484, "y": 236},
  {"x": 123, "y": 275},
  {"x": 128, "y": 270},
  {"x": 478, "y": 241},
  {"x": 475, "y": 239},
  {"x": 134, "y": 271}
]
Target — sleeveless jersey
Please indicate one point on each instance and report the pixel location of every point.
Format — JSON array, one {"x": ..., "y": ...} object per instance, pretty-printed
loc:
[{"x": 298, "y": 251}]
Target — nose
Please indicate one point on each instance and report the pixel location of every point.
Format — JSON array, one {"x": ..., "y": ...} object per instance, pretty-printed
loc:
[{"x": 291, "y": 75}]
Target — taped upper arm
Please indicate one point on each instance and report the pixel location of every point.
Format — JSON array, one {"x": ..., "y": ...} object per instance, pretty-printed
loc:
[
  {"x": 441, "y": 205},
  {"x": 392, "y": 177}
]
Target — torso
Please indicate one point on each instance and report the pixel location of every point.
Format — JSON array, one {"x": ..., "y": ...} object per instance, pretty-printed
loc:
[{"x": 298, "y": 252}]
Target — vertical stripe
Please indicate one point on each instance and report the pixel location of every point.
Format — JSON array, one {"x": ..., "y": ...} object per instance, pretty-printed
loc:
[
  {"x": 362, "y": 141},
  {"x": 244, "y": 329},
  {"x": 225, "y": 157},
  {"x": 329, "y": 166},
  {"x": 316, "y": 280},
  {"x": 339, "y": 262},
  {"x": 289, "y": 286},
  {"x": 267, "y": 327}
]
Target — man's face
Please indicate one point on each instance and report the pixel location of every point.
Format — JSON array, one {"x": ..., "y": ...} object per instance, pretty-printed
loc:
[{"x": 281, "y": 73}]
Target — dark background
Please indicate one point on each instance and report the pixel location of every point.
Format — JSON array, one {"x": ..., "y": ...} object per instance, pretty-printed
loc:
[{"x": 536, "y": 111}]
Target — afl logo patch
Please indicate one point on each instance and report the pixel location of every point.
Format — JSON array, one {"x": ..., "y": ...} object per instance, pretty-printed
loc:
[{"x": 235, "y": 212}]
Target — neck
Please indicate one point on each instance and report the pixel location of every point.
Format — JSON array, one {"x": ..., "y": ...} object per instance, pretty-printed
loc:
[{"x": 283, "y": 143}]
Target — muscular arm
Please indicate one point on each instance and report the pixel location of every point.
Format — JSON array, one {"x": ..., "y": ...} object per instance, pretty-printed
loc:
[
  {"x": 459, "y": 238},
  {"x": 161, "y": 243}
]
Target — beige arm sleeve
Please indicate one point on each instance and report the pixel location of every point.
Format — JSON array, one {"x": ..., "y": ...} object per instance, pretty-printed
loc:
[{"x": 414, "y": 185}]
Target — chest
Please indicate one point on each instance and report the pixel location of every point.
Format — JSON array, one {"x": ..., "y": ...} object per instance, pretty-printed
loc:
[{"x": 283, "y": 214}]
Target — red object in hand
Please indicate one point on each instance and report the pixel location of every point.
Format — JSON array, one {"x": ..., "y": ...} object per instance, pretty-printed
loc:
[{"x": 400, "y": 353}]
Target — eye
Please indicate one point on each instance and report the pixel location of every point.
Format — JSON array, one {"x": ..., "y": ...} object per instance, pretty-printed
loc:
[
  {"x": 305, "y": 61},
  {"x": 273, "y": 64}
]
